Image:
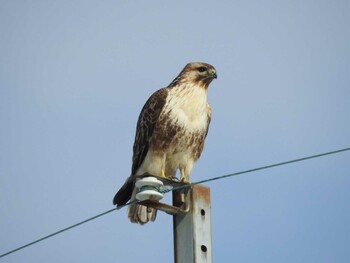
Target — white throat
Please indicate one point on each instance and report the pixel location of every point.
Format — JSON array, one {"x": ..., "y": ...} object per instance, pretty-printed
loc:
[{"x": 188, "y": 106}]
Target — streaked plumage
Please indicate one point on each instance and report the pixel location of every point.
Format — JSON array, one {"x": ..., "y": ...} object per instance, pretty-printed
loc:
[{"x": 170, "y": 133}]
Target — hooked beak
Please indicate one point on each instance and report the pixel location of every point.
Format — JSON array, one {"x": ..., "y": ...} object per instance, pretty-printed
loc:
[{"x": 213, "y": 73}]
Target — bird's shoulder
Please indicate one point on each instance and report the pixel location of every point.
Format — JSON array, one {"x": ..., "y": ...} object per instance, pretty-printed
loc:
[{"x": 155, "y": 102}]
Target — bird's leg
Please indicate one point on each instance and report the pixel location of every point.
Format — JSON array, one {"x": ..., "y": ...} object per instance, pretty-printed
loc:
[
  {"x": 183, "y": 178},
  {"x": 162, "y": 167},
  {"x": 162, "y": 171}
]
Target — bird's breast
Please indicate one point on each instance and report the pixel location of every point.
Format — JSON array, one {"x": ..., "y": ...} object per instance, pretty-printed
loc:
[{"x": 187, "y": 108}]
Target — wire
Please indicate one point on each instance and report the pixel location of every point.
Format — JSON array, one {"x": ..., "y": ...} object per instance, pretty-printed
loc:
[
  {"x": 168, "y": 189},
  {"x": 67, "y": 228},
  {"x": 58, "y": 232}
]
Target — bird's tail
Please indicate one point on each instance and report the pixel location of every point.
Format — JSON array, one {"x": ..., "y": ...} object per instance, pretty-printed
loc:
[
  {"x": 137, "y": 213},
  {"x": 140, "y": 214},
  {"x": 125, "y": 192}
]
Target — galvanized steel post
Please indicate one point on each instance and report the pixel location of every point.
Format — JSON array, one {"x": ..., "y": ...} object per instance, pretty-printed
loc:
[{"x": 192, "y": 230}]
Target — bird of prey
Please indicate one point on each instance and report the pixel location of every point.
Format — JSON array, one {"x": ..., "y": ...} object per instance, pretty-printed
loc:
[{"x": 170, "y": 134}]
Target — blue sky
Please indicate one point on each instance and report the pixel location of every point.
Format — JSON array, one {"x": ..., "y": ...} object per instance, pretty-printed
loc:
[{"x": 74, "y": 76}]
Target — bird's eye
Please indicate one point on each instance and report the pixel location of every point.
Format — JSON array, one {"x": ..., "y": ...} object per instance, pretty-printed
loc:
[{"x": 202, "y": 69}]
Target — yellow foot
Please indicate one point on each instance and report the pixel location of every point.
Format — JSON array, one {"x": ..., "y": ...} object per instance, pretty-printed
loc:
[
  {"x": 183, "y": 180},
  {"x": 183, "y": 176}
]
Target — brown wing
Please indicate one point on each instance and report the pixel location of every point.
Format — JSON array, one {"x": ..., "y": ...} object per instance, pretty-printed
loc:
[
  {"x": 144, "y": 130},
  {"x": 209, "y": 119},
  {"x": 145, "y": 126},
  {"x": 201, "y": 139}
]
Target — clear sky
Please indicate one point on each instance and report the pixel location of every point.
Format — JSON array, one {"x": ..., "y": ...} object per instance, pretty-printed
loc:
[{"x": 74, "y": 76}]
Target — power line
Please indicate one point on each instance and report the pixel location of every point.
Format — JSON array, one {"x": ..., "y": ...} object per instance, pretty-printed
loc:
[
  {"x": 168, "y": 189},
  {"x": 67, "y": 228},
  {"x": 58, "y": 232}
]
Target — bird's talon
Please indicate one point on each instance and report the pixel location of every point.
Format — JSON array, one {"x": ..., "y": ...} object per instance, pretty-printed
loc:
[{"x": 183, "y": 180}]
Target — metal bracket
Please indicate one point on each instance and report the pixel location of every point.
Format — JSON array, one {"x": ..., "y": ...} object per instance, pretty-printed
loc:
[{"x": 183, "y": 204}]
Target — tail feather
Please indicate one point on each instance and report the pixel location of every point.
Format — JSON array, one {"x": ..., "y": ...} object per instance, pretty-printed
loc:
[
  {"x": 125, "y": 192},
  {"x": 141, "y": 214},
  {"x": 137, "y": 213}
]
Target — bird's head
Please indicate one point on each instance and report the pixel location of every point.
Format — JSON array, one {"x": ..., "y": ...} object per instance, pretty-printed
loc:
[{"x": 196, "y": 72}]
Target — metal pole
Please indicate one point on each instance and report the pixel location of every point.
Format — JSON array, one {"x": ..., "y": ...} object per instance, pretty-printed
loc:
[{"x": 192, "y": 230}]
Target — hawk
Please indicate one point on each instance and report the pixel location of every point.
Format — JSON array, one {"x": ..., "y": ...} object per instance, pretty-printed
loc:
[{"x": 170, "y": 134}]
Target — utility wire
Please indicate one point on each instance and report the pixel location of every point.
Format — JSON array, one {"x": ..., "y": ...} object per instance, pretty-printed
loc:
[
  {"x": 168, "y": 189},
  {"x": 67, "y": 228},
  {"x": 58, "y": 232}
]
